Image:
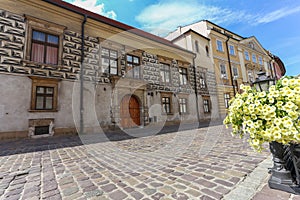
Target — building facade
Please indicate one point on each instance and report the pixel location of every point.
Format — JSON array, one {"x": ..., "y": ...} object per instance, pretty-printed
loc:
[
  {"x": 130, "y": 78},
  {"x": 236, "y": 59}
]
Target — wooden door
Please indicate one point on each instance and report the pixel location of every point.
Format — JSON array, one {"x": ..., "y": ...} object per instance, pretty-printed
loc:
[{"x": 130, "y": 112}]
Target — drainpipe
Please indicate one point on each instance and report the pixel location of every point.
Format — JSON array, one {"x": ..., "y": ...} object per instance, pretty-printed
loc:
[
  {"x": 196, "y": 89},
  {"x": 81, "y": 74},
  {"x": 230, "y": 70}
]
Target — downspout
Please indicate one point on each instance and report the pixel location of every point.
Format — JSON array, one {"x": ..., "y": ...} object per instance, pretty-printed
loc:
[
  {"x": 81, "y": 74},
  {"x": 229, "y": 61},
  {"x": 196, "y": 89}
]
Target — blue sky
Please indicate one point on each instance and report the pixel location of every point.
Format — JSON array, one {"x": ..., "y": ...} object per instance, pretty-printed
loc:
[{"x": 275, "y": 23}]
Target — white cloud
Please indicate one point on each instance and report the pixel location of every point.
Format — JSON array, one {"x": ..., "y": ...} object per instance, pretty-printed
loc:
[
  {"x": 277, "y": 14},
  {"x": 92, "y": 6},
  {"x": 165, "y": 16}
]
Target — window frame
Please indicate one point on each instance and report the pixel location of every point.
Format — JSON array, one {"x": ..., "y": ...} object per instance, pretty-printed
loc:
[
  {"x": 46, "y": 83},
  {"x": 246, "y": 53},
  {"x": 254, "y": 58},
  {"x": 110, "y": 58},
  {"x": 183, "y": 105},
  {"x": 165, "y": 69},
  {"x": 183, "y": 75},
  {"x": 223, "y": 65},
  {"x": 206, "y": 105},
  {"x": 235, "y": 69},
  {"x": 220, "y": 45},
  {"x": 166, "y": 104},
  {"x": 202, "y": 80},
  {"x": 196, "y": 46},
  {"x": 46, "y": 27},
  {"x": 231, "y": 50},
  {"x": 134, "y": 66},
  {"x": 226, "y": 100},
  {"x": 45, "y": 45},
  {"x": 260, "y": 60}
]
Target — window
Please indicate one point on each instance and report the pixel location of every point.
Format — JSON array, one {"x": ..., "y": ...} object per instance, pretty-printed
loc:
[
  {"x": 231, "y": 50},
  {"x": 235, "y": 72},
  {"x": 219, "y": 45},
  {"x": 260, "y": 61},
  {"x": 206, "y": 106},
  {"x": 247, "y": 55},
  {"x": 182, "y": 105},
  {"x": 223, "y": 71},
  {"x": 227, "y": 99},
  {"x": 183, "y": 75},
  {"x": 165, "y": 73},
  {"x": 207, "y": 50},
  {"x": 44, "y": 94},
  {"x": 44, "y": 98},
  {"x": 254, "y": 58},
  {"x": 109, "y": 61},
  {"x": 44, "y": 48},
  {"x": 202, "y": 80},
  {"x": 250, "y": 76},
  {"x": 133, "y": 66},
  {"x": 166, "y": 103},
  {"x": 196, "y": 46}
]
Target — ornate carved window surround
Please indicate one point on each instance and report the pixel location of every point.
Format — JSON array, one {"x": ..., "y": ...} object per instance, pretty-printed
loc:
[
  {"x": 47, "y": 27},
  {"x": 43, "y": 82}
]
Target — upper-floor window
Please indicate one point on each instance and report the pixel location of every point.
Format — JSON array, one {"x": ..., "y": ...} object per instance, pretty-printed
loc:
[
  {"x": 260, "y": 60},
  {"x": 44, "y": 47},
  {"x": 235, "y": 72},
  {"x": 182, "y": 105},
  {"x": 183, "y": 76},
  {"x": 226, "y": 99},
  {"x": 44, "y": 98},
  {"x": 231, "y": 50},
  {"x": 254, "y": 58},
  {"x": 247, "y": 55},
  {"x": 196, "y": 46},
  {"x": 109, "y": 61},
  {"x": 202, "y": 80},
  {"x": 166, "y": 103},
  {"x": 223, "y": 71},
  {"x": 165, "y": 73},
  {"x": 207, "y": 50},
  {"x": 219, "y": 45},
  {"x": 133, "y": 66}
]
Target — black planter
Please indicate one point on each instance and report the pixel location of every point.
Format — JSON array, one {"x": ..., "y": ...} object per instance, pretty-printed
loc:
[{"x": 285, "y": 172}]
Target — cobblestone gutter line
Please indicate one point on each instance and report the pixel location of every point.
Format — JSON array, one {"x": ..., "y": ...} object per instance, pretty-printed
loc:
[{"x": 248, "y": 187}]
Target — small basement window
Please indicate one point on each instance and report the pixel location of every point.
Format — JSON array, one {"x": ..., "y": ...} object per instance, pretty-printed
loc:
[{"x": 41, "y": 130}]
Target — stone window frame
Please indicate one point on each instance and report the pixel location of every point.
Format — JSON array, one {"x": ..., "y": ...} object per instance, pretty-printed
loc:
[
  {"x": 254, "y": 58},
  {"x": 43, "y": 82},
  {"x": 110, "y": 58},
  {"x": 202, "y": 80},
  {"x": 231, "y": 50},
  {"x": 246, "y": 53},
  {"x": 181, "y": 74},
  {"x": 260, "y": 60},
  {"x": 206, "y": 104},
  {"x": 183, "y": 101},
  {"x": 164, "y": 71},
  {"x": 223, "y": 75},
  {"x": 46, "y": 27},
  {"x": 226, "y": 99},
  {"x": 219, "y": 45},
  {"x": 169, "y": 96},
  {"x": 134, "y": 65}
]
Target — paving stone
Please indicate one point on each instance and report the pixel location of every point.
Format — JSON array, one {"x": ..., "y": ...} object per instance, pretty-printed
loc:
[
  {"x": 167, "y": 190},
  {"x": 180, "y": 196},
  {"x": 69, "y": 191},
  {"x": 117, "y": 195},
  {"x": 212, "y": 193},
  {"x": 136, "y": 195},
  {"x": 94, "y": 193},
  {"x": 108, "y": 188},
  {"x": 149, "y": 191},
  {"x": 194, "y": 193}
]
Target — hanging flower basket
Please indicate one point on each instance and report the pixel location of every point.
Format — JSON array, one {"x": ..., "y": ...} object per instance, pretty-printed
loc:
[{"x": 271, "y": 116}]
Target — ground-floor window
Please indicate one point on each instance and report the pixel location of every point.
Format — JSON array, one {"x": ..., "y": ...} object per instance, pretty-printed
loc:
[
  {"x": 182, "y": 105},
  {"x": 166, "y": 103},
  {"x": 227, "y": 99},
  {"x": 206, "y": 106}
]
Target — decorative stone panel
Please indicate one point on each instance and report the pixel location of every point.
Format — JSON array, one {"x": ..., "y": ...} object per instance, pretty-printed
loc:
[{"x": 12, "y": 40}]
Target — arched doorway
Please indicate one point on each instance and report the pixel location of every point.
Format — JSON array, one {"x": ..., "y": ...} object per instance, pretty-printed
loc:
[{"x": 130, "y": 112}]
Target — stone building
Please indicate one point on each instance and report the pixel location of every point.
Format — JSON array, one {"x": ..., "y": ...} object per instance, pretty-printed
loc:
[
  {"x": 130, "y": 78},
  {"x": 236, "y": 59}
]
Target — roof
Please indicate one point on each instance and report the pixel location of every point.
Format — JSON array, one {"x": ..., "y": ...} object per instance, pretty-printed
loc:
[
  {"x": 190, "y": 30},
  {"x": 114, "y": 23}
]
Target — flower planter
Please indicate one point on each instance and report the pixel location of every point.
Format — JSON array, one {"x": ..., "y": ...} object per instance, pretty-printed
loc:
[{"x": 285, "y": 172}]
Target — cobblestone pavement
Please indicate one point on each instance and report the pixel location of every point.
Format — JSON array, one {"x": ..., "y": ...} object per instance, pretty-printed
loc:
[{"x": 205, "y": 163}]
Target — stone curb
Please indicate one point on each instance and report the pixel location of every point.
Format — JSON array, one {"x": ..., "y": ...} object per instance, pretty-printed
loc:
[{"x": 247, "y": 188}]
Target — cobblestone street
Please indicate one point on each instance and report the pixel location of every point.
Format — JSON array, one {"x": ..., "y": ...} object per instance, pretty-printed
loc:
[{"x": 205, "y": 163}]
